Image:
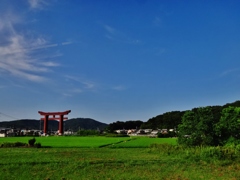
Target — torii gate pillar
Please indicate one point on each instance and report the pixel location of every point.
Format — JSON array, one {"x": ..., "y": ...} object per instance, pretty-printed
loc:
[{"x": 54, "y": 114}]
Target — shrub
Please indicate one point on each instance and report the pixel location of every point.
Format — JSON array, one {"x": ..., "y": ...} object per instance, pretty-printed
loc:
[
  {"x": 14, "y": 144},
  {"x": 37, "y": 145},
  {"x": 19, "y": 144},
  {"x": 31, "y": 142}
]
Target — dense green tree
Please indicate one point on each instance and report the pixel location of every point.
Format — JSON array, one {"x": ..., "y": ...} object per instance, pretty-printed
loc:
[
  {"x": 197, "y": 127},
  {"x": 234, "y": 104},
  {"x": 228, "y": 128}
]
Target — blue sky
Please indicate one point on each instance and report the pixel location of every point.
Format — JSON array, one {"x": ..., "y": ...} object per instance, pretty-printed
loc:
[{"x": 114, "y": 60}]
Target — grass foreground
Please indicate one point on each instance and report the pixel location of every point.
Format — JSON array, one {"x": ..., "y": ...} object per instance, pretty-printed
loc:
[{"x": 116, "y": 158}]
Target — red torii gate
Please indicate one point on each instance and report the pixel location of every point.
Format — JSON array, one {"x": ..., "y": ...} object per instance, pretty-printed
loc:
[{"x": 54, "y": 114}]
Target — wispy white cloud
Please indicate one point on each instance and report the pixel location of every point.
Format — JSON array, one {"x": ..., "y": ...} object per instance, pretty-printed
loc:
[
  {"x": 157, "y": 21},
  {"x": 77, "y": 90},
  {"x": 119, "y": 88},
  {"x": 109, "y": 29},
  {"x": 86, "y": 84},
  {"x": 72, "y": 92},
  {"x": 18, "y": 52},
  {"x": 49, "y": 64},
  {"x": 66, "y": 43},
  {"x": 228, "y": 72},
  {"x": 115, "y": 35},
  {"x": 159, "y": 51},
  {"x": 67, "y": 94},
  {"x": 37, "y": 4},
  {"x": 15, "y": 55},
  {"x": 77, "y": 86}
]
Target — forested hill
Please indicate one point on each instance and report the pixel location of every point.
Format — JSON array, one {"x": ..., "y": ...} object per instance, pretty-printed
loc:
[
  {"x": 172, "y": 119},
  {"x": 73, "y": 124}
]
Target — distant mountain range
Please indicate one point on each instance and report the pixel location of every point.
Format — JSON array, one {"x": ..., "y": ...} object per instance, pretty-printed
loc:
[{"x": 74, "y": 124}]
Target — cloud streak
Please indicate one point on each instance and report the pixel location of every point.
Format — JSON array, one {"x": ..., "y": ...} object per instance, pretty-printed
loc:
[
  {"x": 18, "y": 52},
  {"x": 84, "y": 83},
  {"x": 228, "y": 72},
  {"x": 119, "y": 88},
  {"x": 14, "y": 55},
  {"x": 37, "y": 4},
  {"x": 115, "y": 35},
  {"x": 77, "y": 85}
]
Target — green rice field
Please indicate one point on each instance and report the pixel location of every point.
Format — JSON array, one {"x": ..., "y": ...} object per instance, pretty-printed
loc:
[
  {"x": 91, "y": 142},
  {"x": 68, "y": 141},
  {"x": 113, "y": 158}
]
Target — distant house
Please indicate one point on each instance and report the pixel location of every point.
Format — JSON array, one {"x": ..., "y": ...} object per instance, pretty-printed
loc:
[
  {"x": 164, "y": 131},
  {"x": 131, "y": 131},
  {"x": 147, "y": 131},
  {"x": 154, "y": 133},
  {"x": 122, "y": 131},
  {"x": 144, "y": 131},
  {"x": 5, "y": 132},
  {"x": 2, "y": 133}
]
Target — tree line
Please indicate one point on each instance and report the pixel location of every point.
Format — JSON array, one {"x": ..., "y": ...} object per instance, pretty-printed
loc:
[
  {"x": 204, "y": 127},
  {"x": 210, "y": 125}
]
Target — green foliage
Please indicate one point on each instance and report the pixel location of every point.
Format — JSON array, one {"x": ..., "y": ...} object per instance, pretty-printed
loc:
[
  {"x": 13, "y": 144},
  {"x": 31, "y": 142},
  {"x": 201, "y": 127},
  {"x": 199, "y": 153},
  {"x": 197, "y": 127},
  {"x": 168, "y": 120},
  {"x": 37, "y": 145},
  {"x": 228, "y": 128}
]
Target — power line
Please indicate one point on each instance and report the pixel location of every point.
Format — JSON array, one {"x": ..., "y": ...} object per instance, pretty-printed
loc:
[{"x": 8, "y": 116}]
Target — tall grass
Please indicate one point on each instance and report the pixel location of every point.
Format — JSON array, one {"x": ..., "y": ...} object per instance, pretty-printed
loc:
[
  {"x": 107, "y": 163},
  {"x": 143, "y": 142},
  {"x": 199, "y": 153}
]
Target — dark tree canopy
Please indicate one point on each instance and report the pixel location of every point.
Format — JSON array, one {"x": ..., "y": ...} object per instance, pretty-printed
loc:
[
  {"x": 197, "y": 127},
  {"x": 169, "y": 120},
  {"x": 228, "y": 128},
  {"x": 124, "y": 125},
  {"x": 203, "y": 126}
]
